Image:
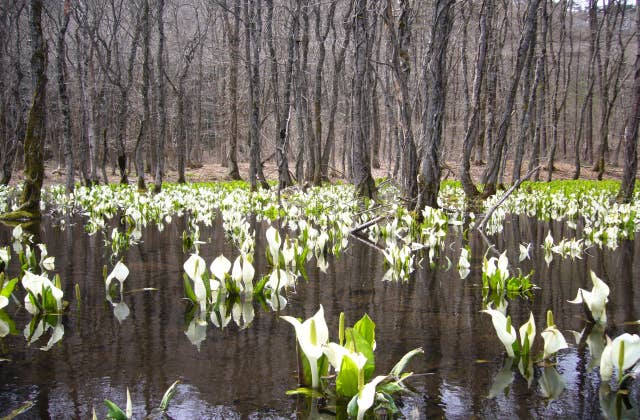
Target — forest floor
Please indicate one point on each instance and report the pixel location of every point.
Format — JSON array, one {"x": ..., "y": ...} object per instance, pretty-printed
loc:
[{"x": 210, "y": 172}]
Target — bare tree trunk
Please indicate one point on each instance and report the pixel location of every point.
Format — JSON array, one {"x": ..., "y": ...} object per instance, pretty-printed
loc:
[
  {"x": 83, "y": 142},
  {"x": 194, "y": 150},
  {"x": 540, "y": 85},
  {"x": 374, "y": 102},
  {"x": 529, "y": 93},
  {"x": 305, "y": 127},
  {"x": 64, "y": 97},
  {"x": 321, "y": 36},
  {"x": 282, "y": 115},
  {"x": 91, "y": 100},
  {"x": 144, "y": 88},
  {"x": 252, "y": 55},
  {"x": 435, "y": 77},
  {"x": 594, "y": 33},
  {"x": 234, "y": 50},
  {"x": 400, "y": 40},
  {"x": 181, "y": 142},
  {"x": 497, "y": 148},
  {"x": 36, "y": 127},
  {"x": 162, "y": 113},
  {"x": 8, "y": 158},
  {"x": 625, "y": 194},
  {"x": 558, "y": 107},
  {"x": 473, "y": 124},
  {"x": 337, "y": 71},
  {"x": 362, "y": 179},
  {"x": 609, "y": 75}
]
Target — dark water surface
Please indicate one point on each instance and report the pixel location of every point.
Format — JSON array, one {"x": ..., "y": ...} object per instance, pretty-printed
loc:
[{"x": 245, "y": 373}]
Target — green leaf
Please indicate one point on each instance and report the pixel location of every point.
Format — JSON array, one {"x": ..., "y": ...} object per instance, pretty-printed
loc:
[
  {"x": 259, "y": 287},
  {"x": 188, "y": 290},
  {"x": 4, "y": 317},
  {"x": 35, "y": 302},
  {"x": 352, "y": 407},
  {"x": 49, "y": 302},
  {"x": 307, "y": 392},
  {"x": 168, "y": 396},
  {"x": 367, "y": 329},
  {"x": 391, "y": 388},
  {"x": 356, "y": 342},
  {"x": 8, "y": 287},
  {"x": 347, "y": 379},
  {"x": 402, "y": 363},
  {"x": 387, "y": 404},
  {"x": 114, "y": 411}
]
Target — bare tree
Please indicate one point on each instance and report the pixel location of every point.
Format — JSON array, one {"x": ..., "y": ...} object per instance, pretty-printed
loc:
[
  {"x": 36, "y": 127},
  {"x": 253, "y": 18},
  {"x": 64, "y": 97},
  {"x": 14, "y": 136},
  {"x": 435, "y": 77},
  {"x": 145, "y": 25},
  {"x": 625, "y": 194},
  {"x": 162, "y": 113},
  {"x": 399, "y": 31},
  {"x": 498, "y": 146},
  {"x": 233, "y": 35},
  {"x": 361, "y": 162},
  {"x": 282, "y": 114}
]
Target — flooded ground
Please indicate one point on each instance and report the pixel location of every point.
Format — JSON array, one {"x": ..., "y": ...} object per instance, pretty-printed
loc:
[{"x": 244, "y": 373}]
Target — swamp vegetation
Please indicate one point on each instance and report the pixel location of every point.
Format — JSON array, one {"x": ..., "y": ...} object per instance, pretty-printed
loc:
[{"x": 527, "y": 309}]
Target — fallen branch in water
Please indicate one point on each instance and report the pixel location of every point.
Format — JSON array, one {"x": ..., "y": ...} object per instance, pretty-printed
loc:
[
  {"x": 367, "y": 241},
  {"x": 366, "y": 225},
  {"x": 515, "y": 186}
]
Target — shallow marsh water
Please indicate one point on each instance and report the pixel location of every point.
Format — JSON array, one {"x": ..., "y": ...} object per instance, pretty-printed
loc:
[{"x": 244, "y": 373}]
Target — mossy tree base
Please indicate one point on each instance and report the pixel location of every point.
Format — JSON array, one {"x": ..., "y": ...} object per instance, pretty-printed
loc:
[{"x": 21, "y": 215}]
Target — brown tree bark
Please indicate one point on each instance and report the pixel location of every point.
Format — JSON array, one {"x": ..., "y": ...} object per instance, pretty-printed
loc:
[
  {"x": 625, "y": 195},
  {"x": 141, "y": 139},
  {"x": 498, "y": 146},
  {"x": 435, "y": 77},
  {"x": 361, "y": 162},
  {"x": 233, "y": 34},
  {"x": 36, "y": 121},
  {"x": 162, "y": 113},
  {"x": 282, "y": 114},
  {"x": 399, "y": 32},
  {"x": 64, "y": 97},
  {"x": 338, "y": 66},
  {"x": 253, "y": 18},
  {"x": 16, "y": 136}
]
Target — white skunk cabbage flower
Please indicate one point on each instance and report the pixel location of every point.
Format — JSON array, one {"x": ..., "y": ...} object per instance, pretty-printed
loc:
[
  {"x": 622, "y": 353},
  {"x": 312, "y": 335},
  {"x": 504, "y": 329},
  {"x": 595, "y": 300}
]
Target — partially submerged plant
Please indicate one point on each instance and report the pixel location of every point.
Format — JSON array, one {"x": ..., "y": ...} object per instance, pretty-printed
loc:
[
  {"x": 43, "y": 295},
  {"x": 553, "y": 338},
  {"x": 496, "y": 277},
  {"x": 353, "y": 361},
  {"x": 311, "y": 334},
  {"x": 116, "y": 413},
  {"x": 594, "y": 302},
  {"x": 621, "y": 354},
  {"x": 120, "y": 273}
]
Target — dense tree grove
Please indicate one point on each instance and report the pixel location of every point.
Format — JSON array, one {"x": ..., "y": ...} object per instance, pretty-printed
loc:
[{"x": 322, "y": 89}]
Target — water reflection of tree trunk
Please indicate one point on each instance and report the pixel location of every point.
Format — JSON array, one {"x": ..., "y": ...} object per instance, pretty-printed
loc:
[{"x": 624, "y": 286}]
